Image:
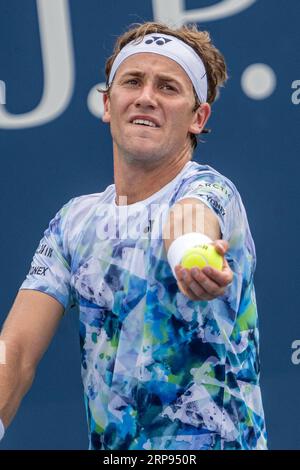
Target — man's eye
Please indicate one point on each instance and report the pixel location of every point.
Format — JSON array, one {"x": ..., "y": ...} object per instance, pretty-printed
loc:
[
  {"x": 166, "y": 86},
  {"x": 131, "y": 81}
]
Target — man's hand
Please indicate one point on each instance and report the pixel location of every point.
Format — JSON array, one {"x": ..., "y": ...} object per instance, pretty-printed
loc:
[{"x": 207, "y": 283}]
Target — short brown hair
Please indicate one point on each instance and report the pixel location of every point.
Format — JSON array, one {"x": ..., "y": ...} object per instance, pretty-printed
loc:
[{"x": 200, "y": 41}]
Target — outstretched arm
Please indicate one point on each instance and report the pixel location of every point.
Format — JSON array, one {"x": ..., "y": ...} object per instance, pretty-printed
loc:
[{"x": 25, "y": 336}]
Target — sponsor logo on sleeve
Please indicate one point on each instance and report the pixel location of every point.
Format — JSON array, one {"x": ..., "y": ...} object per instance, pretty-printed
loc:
[
  {"x": 38, "y": 270},
  {"x": 215, "y": 186},
  {"x": 44, "y": 250},
  {"x": 216, "y": 205}
]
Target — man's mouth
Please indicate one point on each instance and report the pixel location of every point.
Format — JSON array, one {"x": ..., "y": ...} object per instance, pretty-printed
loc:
[{"x": 144, "y": 122}]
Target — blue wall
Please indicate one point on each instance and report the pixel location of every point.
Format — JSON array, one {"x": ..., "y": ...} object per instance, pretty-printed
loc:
[{"x": 255, "y": 142}]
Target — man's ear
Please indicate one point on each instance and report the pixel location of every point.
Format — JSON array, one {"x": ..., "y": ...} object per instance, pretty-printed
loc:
[
  {"x": 200, "y": 118},
  {"x": 106, "y": 105}
]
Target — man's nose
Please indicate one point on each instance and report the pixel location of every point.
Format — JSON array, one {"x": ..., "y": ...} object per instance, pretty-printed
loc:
[{"x": 146, "y": 96}]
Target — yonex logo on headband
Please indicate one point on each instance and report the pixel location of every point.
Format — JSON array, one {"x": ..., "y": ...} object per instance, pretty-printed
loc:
[
  {"x": 173, "y": 48},
  {"x": 159, "y": 40}
]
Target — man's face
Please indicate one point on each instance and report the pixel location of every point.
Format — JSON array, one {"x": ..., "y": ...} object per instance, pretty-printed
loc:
[{"x": 150, "y": 109}]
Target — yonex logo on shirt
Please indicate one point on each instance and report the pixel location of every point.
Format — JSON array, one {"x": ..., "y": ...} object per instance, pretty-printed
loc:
[
  {"x": 159, "y": 41},
  {"x": 38, "y": 270}
]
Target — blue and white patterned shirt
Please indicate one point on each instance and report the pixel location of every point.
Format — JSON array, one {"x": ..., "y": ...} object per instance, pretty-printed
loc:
[{"x": 160, "y": 371}]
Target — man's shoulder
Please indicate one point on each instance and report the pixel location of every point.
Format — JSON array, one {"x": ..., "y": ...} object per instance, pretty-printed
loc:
[
  {"x": 205, "y": 178},
  {"x": 89, "y": 200},
  {"x": 79, "y": 206}
]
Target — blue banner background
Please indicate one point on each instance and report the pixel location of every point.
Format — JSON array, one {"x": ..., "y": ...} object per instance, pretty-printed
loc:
[{"x": 254, "y": 142}]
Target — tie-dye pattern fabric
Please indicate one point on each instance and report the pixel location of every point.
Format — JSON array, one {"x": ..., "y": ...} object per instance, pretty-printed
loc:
[{"x": 159, "y": 371}]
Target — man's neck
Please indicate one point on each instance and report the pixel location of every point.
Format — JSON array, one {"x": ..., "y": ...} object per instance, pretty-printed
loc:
[{"x": 137, "y": 181}]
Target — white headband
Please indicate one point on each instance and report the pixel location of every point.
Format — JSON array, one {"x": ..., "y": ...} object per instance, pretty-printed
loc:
[{"x": 175, "y": 49}]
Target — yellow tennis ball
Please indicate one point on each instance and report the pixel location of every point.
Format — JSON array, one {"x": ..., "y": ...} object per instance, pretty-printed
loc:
[{"x": 200, "y": 256}]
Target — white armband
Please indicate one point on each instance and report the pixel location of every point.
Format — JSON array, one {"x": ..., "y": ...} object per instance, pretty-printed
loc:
[
  {"x": 179, "y": 246},
  {"x": 2, "y": 430}
]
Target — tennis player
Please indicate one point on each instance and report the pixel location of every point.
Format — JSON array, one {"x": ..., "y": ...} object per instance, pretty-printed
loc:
[{"x": 169, "y": 355}]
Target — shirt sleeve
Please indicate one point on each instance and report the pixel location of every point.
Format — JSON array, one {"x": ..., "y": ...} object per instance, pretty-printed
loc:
[
  {"x": 50, "y": 270},
  {"x": 215, "y": 193},
  {"x": 222, "y": 197}
]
